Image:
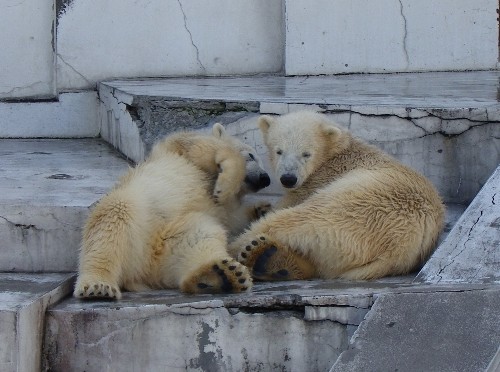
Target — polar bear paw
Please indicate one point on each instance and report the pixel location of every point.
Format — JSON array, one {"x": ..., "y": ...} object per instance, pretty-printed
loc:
[
  {"x": 222, "y": 276},
  {"x": 96, "y": 289},
  {"x": 269, "y": 261}
]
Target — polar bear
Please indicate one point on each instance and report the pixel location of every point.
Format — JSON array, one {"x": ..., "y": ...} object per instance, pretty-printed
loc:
[
  {"x": 349, "y": 210},
  {"x": 165, "y": 223}
]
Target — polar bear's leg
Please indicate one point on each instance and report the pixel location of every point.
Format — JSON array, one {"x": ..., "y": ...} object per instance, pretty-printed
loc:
[
  {"x": 105, "y": 245},
  {"x": 196, "y": 259},
  {"x": 271, "y": 260}
]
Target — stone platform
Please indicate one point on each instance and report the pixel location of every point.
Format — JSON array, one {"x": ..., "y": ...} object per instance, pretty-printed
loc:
[
  {"x": 46, "y": 189},
  {"x": 442, "y": 124}
]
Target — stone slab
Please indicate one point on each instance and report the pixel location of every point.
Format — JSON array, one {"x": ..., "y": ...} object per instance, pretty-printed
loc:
[
  {"x": 342, "y": 36},
  {"x": 471, "y": 251},
  {"x": 46, "y": 189},
  {"x": 74, "y": 115},
  {"x": 458, "y": 331},
  {"x": 429, "y": 121},
  {"x": 23, "y": 301}
]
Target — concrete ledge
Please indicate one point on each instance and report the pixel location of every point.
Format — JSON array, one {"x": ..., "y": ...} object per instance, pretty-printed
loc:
[
  {"x": 46, "y": 189},
  {"x": 302, "y": 326},
  {"x": 441, "y": 124},
  {"x": 23, "y": 301}
]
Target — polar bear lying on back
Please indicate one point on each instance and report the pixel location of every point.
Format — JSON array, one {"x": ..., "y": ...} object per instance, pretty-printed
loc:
[
  {"x": 165, "y": 224},
  {"x": 349, "y": 210}
]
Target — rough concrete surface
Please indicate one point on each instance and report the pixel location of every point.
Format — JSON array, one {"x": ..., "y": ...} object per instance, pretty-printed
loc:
[
  {"x": 471, "y": 251},
  {"x": 23, "y": 301},
  {"x": 457, "y": 331},
  {"x": 46, "y": 190}
]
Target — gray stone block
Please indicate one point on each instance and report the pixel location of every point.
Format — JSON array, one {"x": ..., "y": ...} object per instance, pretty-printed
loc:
[
  {"x": 454, "y": 331},
  {"x": 23, "y": 301}
]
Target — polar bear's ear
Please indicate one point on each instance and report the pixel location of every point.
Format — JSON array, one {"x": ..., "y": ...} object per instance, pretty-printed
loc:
[
  {"x": 218, "y": 130},
  {"x": 265, "y": 122},
  {"x": 330, "y": 130}
]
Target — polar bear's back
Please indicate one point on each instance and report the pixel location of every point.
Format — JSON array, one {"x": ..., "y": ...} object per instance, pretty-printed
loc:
[
  {"x": 384, "y": 212},
  {"x": 161, "y": 186}
]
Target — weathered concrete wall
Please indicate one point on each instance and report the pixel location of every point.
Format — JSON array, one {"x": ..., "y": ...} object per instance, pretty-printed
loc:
[
  {"x": 202, "y": 336},
  {"x": 99, "y": 40},
  {"x": 346, "y": 36},
  {"x": 27, "y": 55}
]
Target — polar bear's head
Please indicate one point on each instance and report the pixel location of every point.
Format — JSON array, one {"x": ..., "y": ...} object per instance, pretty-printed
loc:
[
  {"x": 256, "y": 177},
  {"x": 298, "y": 143}
]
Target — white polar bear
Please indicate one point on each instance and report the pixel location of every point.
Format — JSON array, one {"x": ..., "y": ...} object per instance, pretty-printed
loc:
[
  {"x": 165, "y": 223},
  {"x": 349, "y": 210}
]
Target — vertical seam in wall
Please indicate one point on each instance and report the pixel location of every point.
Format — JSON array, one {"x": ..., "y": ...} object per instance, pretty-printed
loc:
[
  {"x": 54, "y": 50},
  {"x": 284, "y": 30}
]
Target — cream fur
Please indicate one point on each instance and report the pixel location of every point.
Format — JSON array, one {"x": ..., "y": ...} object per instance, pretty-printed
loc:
[
  {"x": 354, "y": 212},
  {"x": 165, "y": 223}
]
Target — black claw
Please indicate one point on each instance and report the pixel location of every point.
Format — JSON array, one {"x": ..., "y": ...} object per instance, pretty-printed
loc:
[
  {"x": 202, "y": 285},
  {"x": 248, "y": 248},
  {"x": 215, "y": 267},
  {"x": 262, "y": 238},
  {"x": 254, "y": 242},
  {"x": 242, "y": 280},
  {"x": 224, "y": 261},
  {"x": 243, "y": 289},
  {"x": 232, "y": 267},
  {"x": 239, "y": 273},
  {"x": 243, "y": 254}
]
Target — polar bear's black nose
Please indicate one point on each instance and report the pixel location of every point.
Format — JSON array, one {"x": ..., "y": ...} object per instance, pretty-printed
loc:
[
  {"x": 288, "y": 180},
  {"x": 264, "y": 180}
]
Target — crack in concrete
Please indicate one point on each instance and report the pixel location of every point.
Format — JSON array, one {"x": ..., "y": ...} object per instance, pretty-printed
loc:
[
  {"x": 74, "y": 69},
  {"x": 464, "y": 247},
  {"x": 204, "y": 70},
  {"x": 29, "y": 86},
  {"x": 473, "y": 123},
  {"x": 22, "y": 226},
  {"x": 405, "y": 35}
]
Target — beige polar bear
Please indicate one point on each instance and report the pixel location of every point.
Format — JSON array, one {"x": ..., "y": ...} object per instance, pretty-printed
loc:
[
  {"x": 349, "y": 210},
  {"x": 165, "y": 223}
]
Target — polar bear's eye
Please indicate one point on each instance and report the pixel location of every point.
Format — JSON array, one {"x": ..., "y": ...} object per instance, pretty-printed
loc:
[
  {"x": 306, "y": 154},
  {"x": 279, "y": 152},
  {"x": 251, "y": 156}
]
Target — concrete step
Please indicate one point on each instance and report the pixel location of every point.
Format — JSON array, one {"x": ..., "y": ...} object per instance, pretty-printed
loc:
[
  {"x": 442, "y": 124},
  {"x": 293, "y": 326},
  {"x": 46, "y": 189},
  {"x": 23, "y": 301}
]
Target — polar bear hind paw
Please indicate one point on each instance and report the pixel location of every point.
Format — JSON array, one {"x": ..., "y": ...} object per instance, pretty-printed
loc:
[
  {"x": 97, "y": 290},
  {"x": 270, "y": 261},
  {"x": 222, "y": 276}
]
